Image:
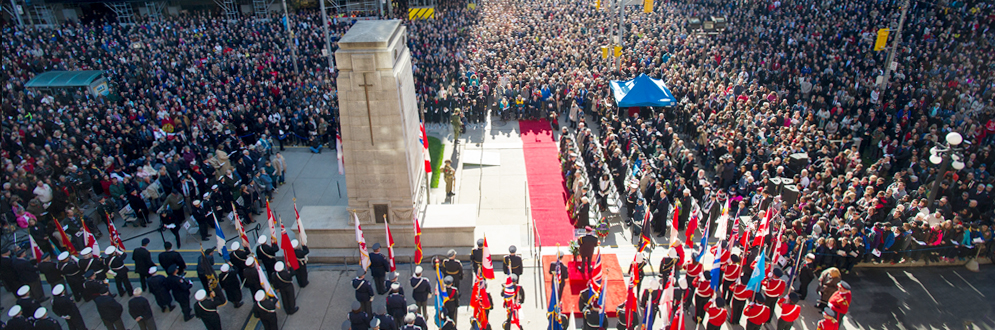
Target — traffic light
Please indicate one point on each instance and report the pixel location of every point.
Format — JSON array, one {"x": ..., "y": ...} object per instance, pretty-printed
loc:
[{"x": 882, "y": 40}]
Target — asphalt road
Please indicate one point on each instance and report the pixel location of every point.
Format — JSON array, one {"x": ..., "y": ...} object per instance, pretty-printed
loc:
[{"x": 923, "y": 298}]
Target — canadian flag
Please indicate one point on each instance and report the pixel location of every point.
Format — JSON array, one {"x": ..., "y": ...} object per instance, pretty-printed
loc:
[
  {"x": 424, "y": 143},
  {"x": 35, "y": 250},
  {"x": 390, "y": 247},
  {"x": 338, "y": 152},
  {"x": 486, "y": 265}
]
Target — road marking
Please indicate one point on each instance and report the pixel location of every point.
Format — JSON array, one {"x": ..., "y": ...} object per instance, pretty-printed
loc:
[
  {"x": 969, "y": 284},
  {"x": 899, "y": 285},
  {"x": 923, "y": 286},
  {"x": 945, "y": 280}
]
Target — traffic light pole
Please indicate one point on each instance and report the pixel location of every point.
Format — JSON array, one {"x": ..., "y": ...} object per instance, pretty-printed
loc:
[{"x": 894, "y": 47}]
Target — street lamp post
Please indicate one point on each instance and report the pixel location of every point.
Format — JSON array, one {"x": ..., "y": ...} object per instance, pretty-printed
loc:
[{"x": 945, "y": 155}]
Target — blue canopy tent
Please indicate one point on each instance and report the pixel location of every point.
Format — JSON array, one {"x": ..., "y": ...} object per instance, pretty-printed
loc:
[{"x": 642, "y": 91}]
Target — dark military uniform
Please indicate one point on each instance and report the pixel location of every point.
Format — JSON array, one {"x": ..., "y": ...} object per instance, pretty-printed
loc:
[
  {"x": 301, "y": 272},
  {"x": 64, "y": 306},
  {"x": 592, "y": 319},
  {"x": 157, "y": 285},
  {"x": 283, "y": 281},
  {"x": 364, "y": 294},
  {"x": 378, "y": 269},
  {"x": 266, "y": 312},
  {"x": 207, "y": 311},
  {"x": 238, "y": 258},
  {"x": 233, "y": 289},
  {"x": 266, "y": 254},
  {"x": 250, "y": 274},
  {"x": 420, "y": 289},
  {"x": 564, "y": 275},
  {"x": 513, "y": 265},
  {"x": 74, "y": 277},
  {"x": 116, "y": 264},
  {"x": 452, "y": 303},
  {"x": 477, "y": 258},
  {"x": 397, "y": 305},
  {"x": 453, "y": 268}
]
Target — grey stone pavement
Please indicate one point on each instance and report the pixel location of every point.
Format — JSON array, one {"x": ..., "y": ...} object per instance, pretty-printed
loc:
[{"x": 884, "y": 298}]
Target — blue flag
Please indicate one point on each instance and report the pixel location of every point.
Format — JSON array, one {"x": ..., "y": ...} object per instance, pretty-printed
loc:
[
  {"x": 704, "y": 242},
  {"x": 440, "y": 294},
  {"x": 717, "y": 267},
  {"x": 601, "y": 304},
  {"x": 220, "y": 235},
  {"x": 757, "y": 275},
  {"x": 553, "y": 312}
]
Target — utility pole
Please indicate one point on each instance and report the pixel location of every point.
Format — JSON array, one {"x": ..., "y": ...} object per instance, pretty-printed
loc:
[
  {"x": 17, "y": 14},
  {"x": 324, "y": 28},
  {"x": 621, "y": 31},
  {"x": 290, "y": 33},
  {"x": 894, "y": 47}
]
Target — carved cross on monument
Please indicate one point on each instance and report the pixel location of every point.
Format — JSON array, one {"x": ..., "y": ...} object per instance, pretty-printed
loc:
[{"x": 369, "y": 115}]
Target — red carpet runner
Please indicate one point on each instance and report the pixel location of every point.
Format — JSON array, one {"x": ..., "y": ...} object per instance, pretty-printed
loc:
[
  {"x": 547, "y": 189},
  {"x": 578, "y": 281}
]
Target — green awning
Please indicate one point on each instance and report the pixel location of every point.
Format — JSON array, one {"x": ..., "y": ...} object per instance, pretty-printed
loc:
[{"x": 56, "y": 79}]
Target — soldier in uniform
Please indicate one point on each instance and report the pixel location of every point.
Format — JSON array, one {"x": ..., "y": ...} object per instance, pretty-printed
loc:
[
  {"x": 157, "y": 284},
  {"x": 300, "y": 251},
  {"x": 715, "y": 314},
  {"x": 27, "y": 274},
  {"x": 828, "y": 321},
  {"x": 206, "y": 310},
  {"x": 357, "y": 317},
  {"x": 451, "y": 305},
  {"x": 730, "y": 273},
  {"x": 387, "y": 322},
  {"x": 453, "y": 268},
  {"x": 250, "y": 275},
  {"x": 419, "y": 320},
  {"x": 283, "y": 282},
  {"x": 229, "y": 282},
  {"x": 51, "y": 270},
  {"x": 28, "y": 304},
  {"x": 266, "y": 253},
  {"x": 364, "y": 291},
  {"x": 265, "y": 310},
  {"x": 42, "y": 322},
  {"x": 179, "y": 287},
  {"x": 143, "y": 261},
  {"x": 563, "y": 271},
  {"x": 140, "y": 310},
  {"x": 378, "y": 268},
  {"x": 396, "y": 304},
  {"x": 457, "y": 122},
  {"x": 789, "y": 312},
  {"x": 91, "y": 288},
  {"x": 592, "y": 317},
  {"x": 449, "y": 175},
  {"x": 64, "y": 307},
  {"x": 392, "y": 278},
  {"x": 97, "y": 265},
  {"x": 514, "y": 297},
  {"x": 587, "y": 243},
  {"x": 17, "y": 319},
  {"x": 740, "y": 294},
  {"x": 74, "y": 277},
  {"x": 756, "y": 312},
  {"x": 512, "y": 262},
  {"x": 420, "y": 289},
  {"x": 239, "y": 254},
  {"x": 477, "y": 257},
  {"x": 773, "y": 288},
  {"x": 115, "y": 262},
  {"x": 585, "y": 298}
]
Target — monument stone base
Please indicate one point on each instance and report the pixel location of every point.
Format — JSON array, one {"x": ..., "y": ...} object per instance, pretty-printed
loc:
[{"x": 332, "y": 234}]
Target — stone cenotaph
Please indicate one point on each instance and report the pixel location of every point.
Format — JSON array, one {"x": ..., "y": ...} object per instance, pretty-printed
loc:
[{"x": 384, "y": 163}]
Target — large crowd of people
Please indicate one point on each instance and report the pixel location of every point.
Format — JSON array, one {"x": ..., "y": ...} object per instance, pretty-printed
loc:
[{"x": 198, "y": 107}]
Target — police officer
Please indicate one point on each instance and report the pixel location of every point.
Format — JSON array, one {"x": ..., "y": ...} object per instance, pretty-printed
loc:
[
  {"x": 250, "y": 275},
  {"x": 266, "y": 252},
  {"x": 357, "y": 317},
  {"x": 378, "y": 268},
  {"x": 265, "y": 310},
  {"x": 74, "y": 277},
  {"x": 115, "y": 262},
  {"x": 477, "y": 256},
  {"x": 387, "y": 321},
  {"x": 64, "y": 307},
  {"x": 283, "y": 281},
  {"x": 301, "y": 252},
  {"x": 140, "y": 310},
  {"x": 143, "y": 261},
  {"x": 179, "y": 287},
  {"x": 157, "y": 284},
  {"x": 207, "y": 310},
  {"x": 396, "y": 304},
  {"x": 512, "y": 262},
  {"x": 42, "y": 322},
  {"x": 364, "y": 291},
  {"x": 109, "y": 309},
  {"x": 453, "y": 268},
  {"x": 420, "y": 289},
  {"x": 451, "y": 306},
  {"x": 229, "y": 282},
  {"x": 564, "y": 272}
]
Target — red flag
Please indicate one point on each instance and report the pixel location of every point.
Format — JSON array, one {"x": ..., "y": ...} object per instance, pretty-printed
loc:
[
  {"x": 390, "y": 247},
  {"x": 300, "y": 227},
  {"x": 66, "y": 243},
  {"x": 364, "y": 256},
  {"x": 598, "y": 273},
  {"x": 678, "y": 324},
  {"x": 88, "y": 239},
  {"x": 479, "y": 302},
  {"x": 428, "y": 157},
  {"x": 288, "y": 249},
  {"x": 764, "y": 228},
  {"x": 634, "y": 271},
  {"x": 418, "y": 251},
  {"x": 35, "y": 250},
  {"x": 238, "y": 225},
  {"x": 486, "y": 265},
  {"x": 115, "y": 236},
  {"x": 630, "y": 304}
]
